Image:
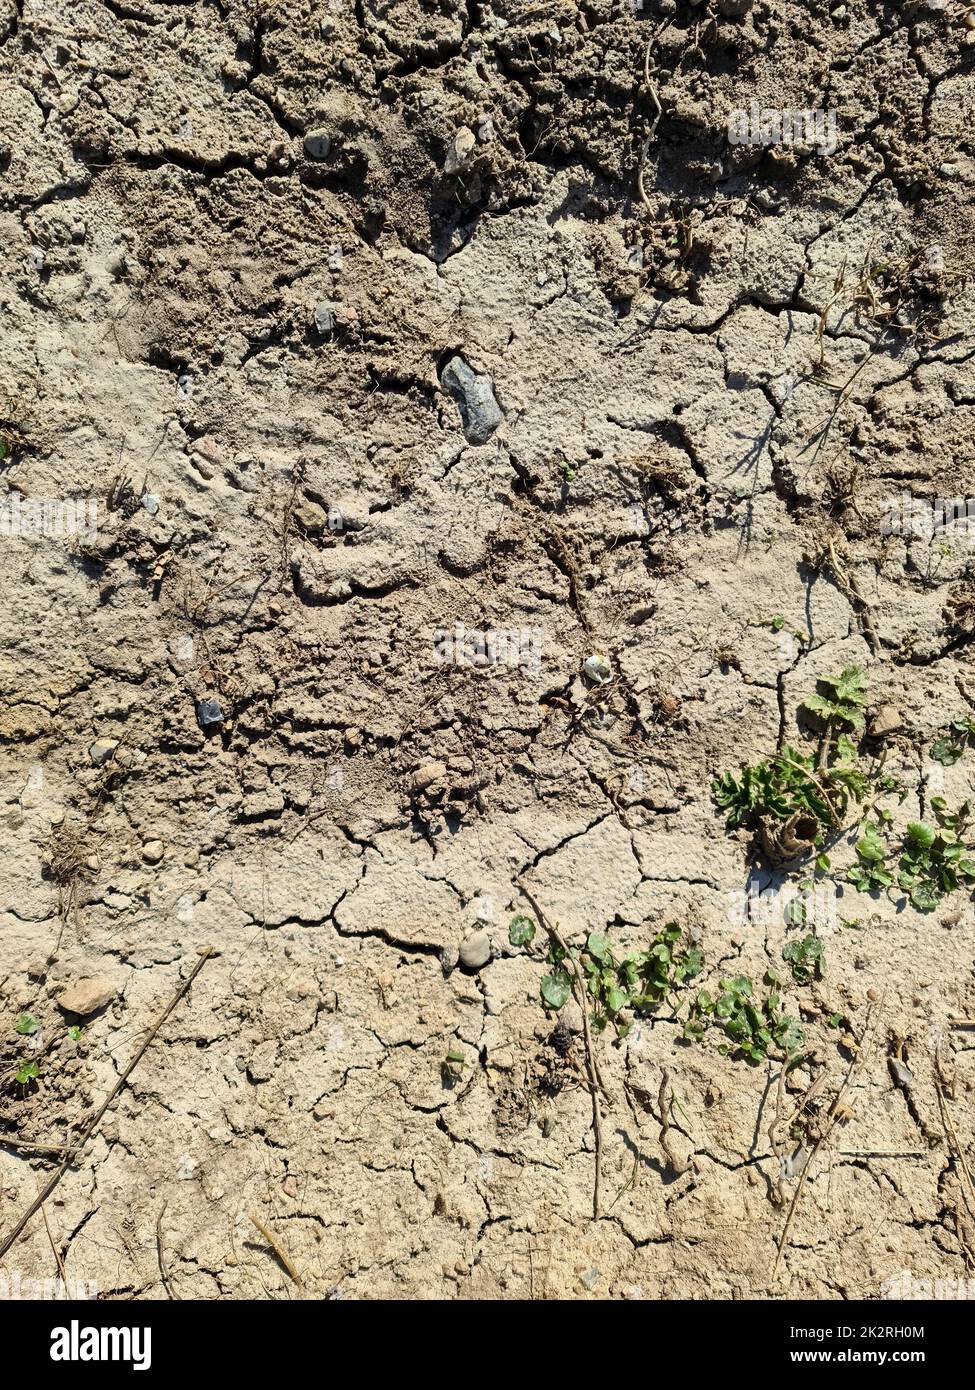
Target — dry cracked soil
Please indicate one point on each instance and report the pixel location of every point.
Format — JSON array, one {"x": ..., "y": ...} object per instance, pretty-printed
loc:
[{"x": 367, "y": 367}]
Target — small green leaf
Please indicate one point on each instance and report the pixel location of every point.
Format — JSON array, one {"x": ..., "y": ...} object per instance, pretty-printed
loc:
[
  {"x": 920, "y": 836},
  {"x": 600, "y": 946},
  {"x": 794, "y": 914},
  {"x": 944, "y": 750},
  {"x": 521, "y": 931},
  {"x": 616, "y": 999},
  {"x": 870, "y": 847},
  {"x": 27, "y": 1024},
  {"x": 556, "y": 989}
]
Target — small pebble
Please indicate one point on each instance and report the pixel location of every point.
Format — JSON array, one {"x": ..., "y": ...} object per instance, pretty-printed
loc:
[
  {"x": 102, "y": 749},
  {"x": 209, "y": 712},
  {"x": 324, "y": 318},
  {"x": 475, "y": 950},
  {"x": 480, "y": 413},
  {"x": 598, "y": 668},
  {"x": 886, "y": 720},
  {"x": 318, "y": 144},
  {"x": 571, "y": 1018},
  {"x": 87, "y": 996},
  {"x": 459, "y": 150}
]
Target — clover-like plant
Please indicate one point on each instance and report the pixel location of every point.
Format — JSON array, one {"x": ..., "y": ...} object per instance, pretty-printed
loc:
[
  {"x": 805, "y": 955},
  {"x": 949, "y": 746},
  {"x": 752, "y": 1027},
  {"x": 634, "y": 984},
  {"x": 935, "y": 860}
]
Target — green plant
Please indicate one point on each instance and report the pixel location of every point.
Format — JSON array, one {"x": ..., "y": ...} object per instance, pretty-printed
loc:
[
  {"x": 841, "y": 700},
  {"x": 806, "y": 957},
  {"x": 556, "y": 989},
  {"x": 887, "y": 782},
  {"x": 28, "y": 1072},
  {"x": 949, "y": 746},
  {"x": 452, "y": 1066},
  {"x": 794, "y": 799},
  {"x": 74, "y": 1032},
  {"x": 521, "y": 931},
  {"x": 806, "y": 799},
  {"x": 796, "y": 910},
  {"x": 936, "y": 860},
  {"x": 868, "y": 874},
  {"x": 751, "y": 1027},
  {"x": 638, "y": 982},
  {"x": 26, "y": 1025}
]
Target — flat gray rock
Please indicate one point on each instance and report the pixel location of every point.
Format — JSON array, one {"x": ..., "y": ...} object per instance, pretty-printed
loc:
[{"x": 479, "y": 411}]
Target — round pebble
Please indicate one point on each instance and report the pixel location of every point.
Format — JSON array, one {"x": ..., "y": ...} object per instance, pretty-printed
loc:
[{"x": 475, "y": 950}]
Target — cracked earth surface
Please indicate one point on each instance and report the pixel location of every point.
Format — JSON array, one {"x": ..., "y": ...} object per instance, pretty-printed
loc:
[{"x": 670, "y": 469}]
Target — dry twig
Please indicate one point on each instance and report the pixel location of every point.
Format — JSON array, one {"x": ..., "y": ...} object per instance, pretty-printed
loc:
[
  {"x": 289, "y": 1268},
  {"x": 93, "y": 1123},
  {"x": 836, "y": 1112},
  {"x": 594, "y": 1077}
]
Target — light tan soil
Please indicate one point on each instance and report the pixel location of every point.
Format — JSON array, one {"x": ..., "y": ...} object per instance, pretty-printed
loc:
[{"x": 670, "y": 471}]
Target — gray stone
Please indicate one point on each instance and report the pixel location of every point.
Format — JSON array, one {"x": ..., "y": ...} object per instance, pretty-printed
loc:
[
  {"x": 479, "y": 411},
  {"x": 459, "y": 150},
  {"x": 209, "y": 713},
  {"x": 475, "y": 950},
  {"x": 324, "y": 317},
  {"x": 102, "y": 749},
  {"x": 152, "y": 851},
  {"x": 318, "y": 144}
]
